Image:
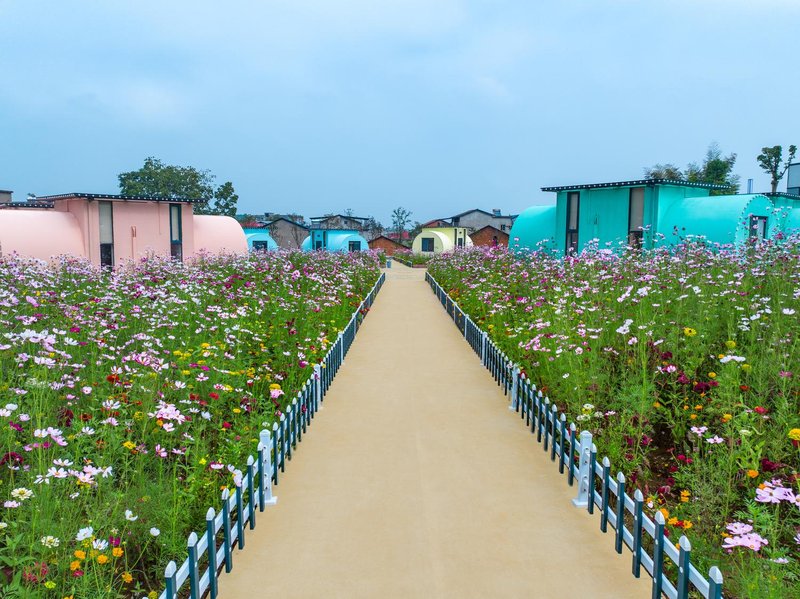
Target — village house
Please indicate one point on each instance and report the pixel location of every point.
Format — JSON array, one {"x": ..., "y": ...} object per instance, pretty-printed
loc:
[
  {"x": 286, "y": 232},
  {"x": 489, "y": 236},
  {"x": 386, "y": 245},
  {"x": 476, "y": 219}
]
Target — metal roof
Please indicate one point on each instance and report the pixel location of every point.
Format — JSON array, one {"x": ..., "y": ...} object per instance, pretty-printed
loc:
[
  {"x": 636, "y": 182},
  {"x": 338, "y": 215},
  {"x": 480, "y": 210},
  {"x": 118, "y": 198},
  {"x": 288, "y": 220},
  {"x": 36, "y": 204}
]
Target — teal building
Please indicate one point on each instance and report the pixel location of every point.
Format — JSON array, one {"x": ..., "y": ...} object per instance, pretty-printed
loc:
[
  {"x": 651, "y": 213},
  {"x": 335, "y": 240},
  {"x": 534, "y": 230},
  {"x": 259, "y": 240}
]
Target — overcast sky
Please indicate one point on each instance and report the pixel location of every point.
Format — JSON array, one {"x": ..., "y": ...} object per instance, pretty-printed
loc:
[{"x": 439, "y": 106}]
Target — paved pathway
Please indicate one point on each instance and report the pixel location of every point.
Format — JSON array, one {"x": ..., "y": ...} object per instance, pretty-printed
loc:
[{"x": 415, "y": 480}]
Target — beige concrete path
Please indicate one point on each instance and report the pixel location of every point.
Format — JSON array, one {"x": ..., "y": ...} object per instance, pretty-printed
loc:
[{"x": 415, "y": 480}]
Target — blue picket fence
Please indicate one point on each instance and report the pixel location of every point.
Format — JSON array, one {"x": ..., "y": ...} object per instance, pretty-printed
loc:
[
  {"x": 212, "y": 550},
  {"x": 575, "y": 454}
]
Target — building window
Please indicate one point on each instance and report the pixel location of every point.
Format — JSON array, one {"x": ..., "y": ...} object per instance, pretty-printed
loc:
[
  {"x": 758, "y": 227},
  {"x": 354, "y": 246},
  {"x": 106, "y": 212},
  {"x": 260, "y": 246},
  {"x": 175, "y": 231},
  {"x": 502, "y": 227},
  {"x": 636, "y": 217},
  {"x": 427, "y": 244},
  {"x": 573, "y": 209}
]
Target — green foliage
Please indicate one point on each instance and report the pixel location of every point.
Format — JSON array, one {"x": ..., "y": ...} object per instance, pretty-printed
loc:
[
  {"x": 715, "y": 168},
  {"x": 180, "y": 183},
  {"x": 771, "y": 160},
  {"x": 400, "y": 219}
]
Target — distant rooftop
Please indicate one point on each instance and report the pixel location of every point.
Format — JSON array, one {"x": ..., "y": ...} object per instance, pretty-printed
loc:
[
  {"x": 637, "y": 182},
  {"x": 339, "y": 216},
  {"x": 116, "y": 198}
]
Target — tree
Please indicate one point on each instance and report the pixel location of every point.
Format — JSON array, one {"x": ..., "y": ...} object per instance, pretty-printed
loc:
[
  {"x": 400, "y": 219},
  {"x": 716, "y": 169},
  {"x": 771, "y": 160},
  {"x": 372, "y": 228},
  {"x": 663, "y": 171},
  {"x": 180, "y": 182}
]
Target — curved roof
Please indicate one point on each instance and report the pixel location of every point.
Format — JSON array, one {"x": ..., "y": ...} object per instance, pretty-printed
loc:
[
  {"x": 636, "y": 183},
  {"x": 441, "y": 242},
  {"x": 259, "y": 235},
  {"x": 339, "y": 241},
  {"x": 40, "y": 234},
  {"x": 533, "y": 228},
  {"x": 218, "y": 234},
  {"x": 719, "y": 219}
]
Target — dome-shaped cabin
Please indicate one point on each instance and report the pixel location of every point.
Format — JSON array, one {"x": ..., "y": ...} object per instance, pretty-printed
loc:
[
  {"x": 723, "y": 220},
  {"x": 435, "y": 240},
  {"x": 218, "y": 234},
  {"x": 334, "y": 240},
  {"x": 259, "y": 240},
  {"x": 41, "y": 234},
  {"x": 534, "y": 229}
]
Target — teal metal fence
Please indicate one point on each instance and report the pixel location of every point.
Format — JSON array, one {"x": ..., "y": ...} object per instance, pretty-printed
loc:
[
  {"x": 670, "y": 567},
  {"x": 211, "y": 551}
]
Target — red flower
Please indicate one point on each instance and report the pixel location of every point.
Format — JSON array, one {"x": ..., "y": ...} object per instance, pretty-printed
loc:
[
  {"x": 226, "y": 425},
  {"x": 760, "y": 410}
]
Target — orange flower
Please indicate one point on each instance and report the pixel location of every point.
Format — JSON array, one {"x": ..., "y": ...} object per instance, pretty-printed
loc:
[
  {"x": 117, "y": 552},
  {"x": 80, "y": 554},
  {"x": 752, "y": 473},
  {"x": 74, "y": 565},
  {"x": 102, "y": 559},
  {"x": 127, "y": 578}
]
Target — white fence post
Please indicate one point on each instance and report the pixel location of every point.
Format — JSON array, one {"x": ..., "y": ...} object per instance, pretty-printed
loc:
[
  {"x": 584, "y": 476},
  {"x": 267, "y": 468},
  {"x": 318, "y": 387},
  {"x": 514, "y": 390}
]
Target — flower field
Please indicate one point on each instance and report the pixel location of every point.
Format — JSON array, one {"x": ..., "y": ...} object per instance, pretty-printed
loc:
[
  {"x": 128, "y": 400},
  {"x": 685, "y": 368}
]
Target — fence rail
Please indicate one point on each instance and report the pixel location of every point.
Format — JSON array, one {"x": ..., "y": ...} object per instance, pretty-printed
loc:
[
  {"x": 212, "y": 550},
  {"x": 574, "y": 452}
]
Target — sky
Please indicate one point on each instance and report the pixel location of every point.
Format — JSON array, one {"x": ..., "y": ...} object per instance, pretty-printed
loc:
[{"x": 438, "y": 106}]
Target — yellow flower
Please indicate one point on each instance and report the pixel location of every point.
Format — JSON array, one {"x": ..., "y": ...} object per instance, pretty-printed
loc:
[
  {"x": 685, "y": 496},
  {"x": 203, "y": 461},
  {"x": 152, "y": 595},
  {"x": 672, "y": 521},
  {"x": 746, "y": 367},
  {"x": 237, "y": 410},
  {"x": 727, "y": 417},
  {"x": 689, "y": 332},
  {"x": 102, "y": 559},
  {"x": 752, "y": 473},
  {"x": 664, "y": 512},
  {"x": 693, "y": 417},
  {"x": 127, "y": 578},
  {"x": 205, "y": 345},
  {"x": 80, "y": 554},
  {"x": 186, "y": 372},
  {"x": 117, "y": 552},
  {"x": 687, "y": 524},
  {"x": 730, "y": 344},
  {"x": 74, "y": 565},
  {"x": 274, "y": 386},
  {"x": 794, "y": 434},
  {"x": 129, "y": 445},
  {"x": 698, "y": 407},
  {"x": 712, "y": 375},
  {"x": 50, "y": 584},
  {"x": 656, "y": 405}
]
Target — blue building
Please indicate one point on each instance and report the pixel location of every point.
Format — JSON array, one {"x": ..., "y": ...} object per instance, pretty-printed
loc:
[
  {"x": 335, "y": 240},
  {"x": 259, "y": 240}
]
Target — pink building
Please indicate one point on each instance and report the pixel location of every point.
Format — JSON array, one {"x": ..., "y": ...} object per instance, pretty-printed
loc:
[{"x": 108, "y": 229}]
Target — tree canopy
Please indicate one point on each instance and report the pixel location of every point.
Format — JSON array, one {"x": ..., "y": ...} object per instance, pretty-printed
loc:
[
  {"x": 771, "y": 160},
  {"x": 180, "y": 182},
  {"x": 715, "y": 168}
]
